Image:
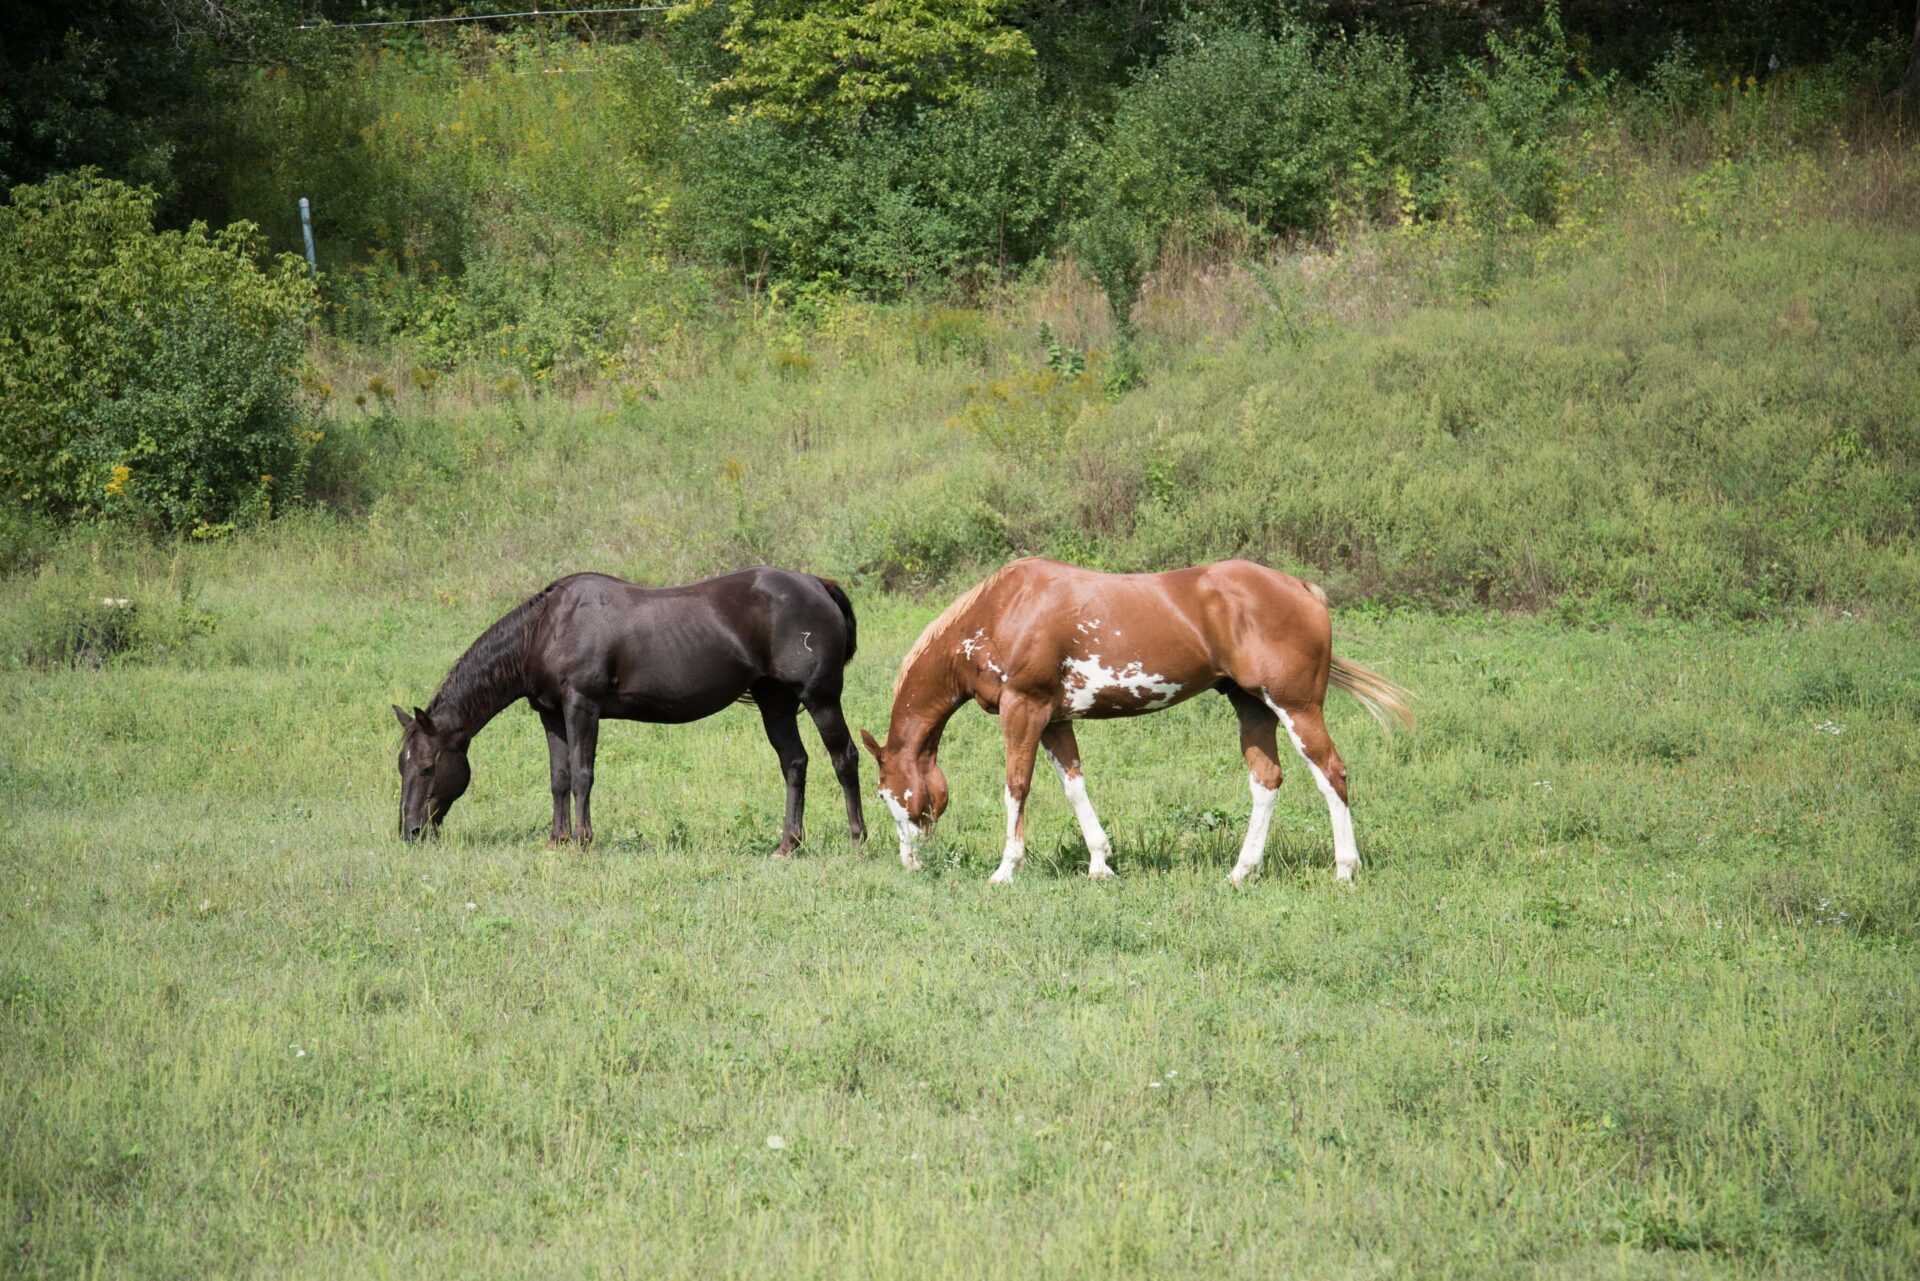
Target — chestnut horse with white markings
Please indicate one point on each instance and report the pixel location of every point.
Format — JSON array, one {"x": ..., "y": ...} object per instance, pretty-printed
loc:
[{"x": 1041, "y": 645}]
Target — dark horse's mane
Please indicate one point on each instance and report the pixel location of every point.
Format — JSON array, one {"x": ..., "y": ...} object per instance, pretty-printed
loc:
[{"x": 494, "y": 660}]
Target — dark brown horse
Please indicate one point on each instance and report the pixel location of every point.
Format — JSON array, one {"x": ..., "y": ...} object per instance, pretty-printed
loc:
[
  {"x": 1041, "y": 645},
  {"x": 590, "y": 646}
]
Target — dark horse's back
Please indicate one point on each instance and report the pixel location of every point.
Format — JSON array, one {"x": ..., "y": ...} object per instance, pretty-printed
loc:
[{"x": 680, "y": 653}]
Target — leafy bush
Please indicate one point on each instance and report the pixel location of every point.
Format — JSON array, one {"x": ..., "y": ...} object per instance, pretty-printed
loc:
[
  {"x": 888, "y": 205},
  {"x": 140, "y": 371},
  {"x": 1269, "y": 127},
  {"x": 1511, "y": 122}
]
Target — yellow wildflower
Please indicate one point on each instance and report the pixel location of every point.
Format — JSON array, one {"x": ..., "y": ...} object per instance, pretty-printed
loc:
[{"x": 120, "y": 482}]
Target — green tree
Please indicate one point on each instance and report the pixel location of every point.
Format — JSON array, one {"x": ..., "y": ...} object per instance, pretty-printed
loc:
[
  {"x": 140, "y": 371},
  {"x": 798, "y": 62}
]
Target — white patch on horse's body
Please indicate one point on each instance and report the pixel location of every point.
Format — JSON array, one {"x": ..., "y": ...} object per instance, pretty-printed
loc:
[
  {"x": 1016, "y": 851},
  {"x": 1099, "y": 848},
  {"x": 1086, "y": 679},
  {"x": 978, "y": 641},
  {"x": 1346, "y": 854},
  {"x": 1254, "y": 848},
  {"x": 910, "y": 836}
]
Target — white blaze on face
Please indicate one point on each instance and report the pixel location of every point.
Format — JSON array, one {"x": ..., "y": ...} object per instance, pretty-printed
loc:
[
  {"x": 1099, "y": 848},
  {"x": 1087, "y": 679},
  {"x": 1016, "y": 851},
  {"x": 910, "y": 836},
  {"x": 1254, "y": 848},
  {"x": 1346, "y": 854}
]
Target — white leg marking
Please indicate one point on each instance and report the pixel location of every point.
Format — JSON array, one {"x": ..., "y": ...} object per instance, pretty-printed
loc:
[
  {"x": 1099, "y": 848},
  {"x": 1346, "y": 855},
  {"x": 1254, "y": 848},
  {"x": 1016, "y": 851},
  {"x": 910, "y": 836}
]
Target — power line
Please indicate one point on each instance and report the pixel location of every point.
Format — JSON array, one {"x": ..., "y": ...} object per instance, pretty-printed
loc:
[{"x": 484, "y": 17}]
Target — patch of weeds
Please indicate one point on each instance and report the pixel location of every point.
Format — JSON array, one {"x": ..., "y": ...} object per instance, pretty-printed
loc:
[{"x": 1554, "y": 913}]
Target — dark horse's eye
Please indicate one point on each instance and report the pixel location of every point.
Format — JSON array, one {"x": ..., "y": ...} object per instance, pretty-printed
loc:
[{"x": 427, "y": 769}]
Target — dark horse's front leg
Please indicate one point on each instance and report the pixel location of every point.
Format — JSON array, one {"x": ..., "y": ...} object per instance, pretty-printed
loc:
[
  {"x": 779, "y": 713},
  {"x": 583, "y": 738},
  {"x": 560, "y": 772}
]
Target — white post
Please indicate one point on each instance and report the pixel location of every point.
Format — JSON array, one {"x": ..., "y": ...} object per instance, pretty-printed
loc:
[{"x": 306, "y": 229}]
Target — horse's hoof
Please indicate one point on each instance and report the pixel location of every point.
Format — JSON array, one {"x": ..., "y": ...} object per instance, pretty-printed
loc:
[
  {"x": 1001, "y": 877},
  {"x": 783, "y": 852},
  {"x": 1100, "y": 873}
]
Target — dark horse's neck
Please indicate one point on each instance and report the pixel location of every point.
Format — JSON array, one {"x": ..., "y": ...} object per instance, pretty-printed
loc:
[{"x": 492, "y": 674}]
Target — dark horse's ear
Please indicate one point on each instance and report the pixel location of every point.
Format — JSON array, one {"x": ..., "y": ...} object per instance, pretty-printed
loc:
[
  {"x": 420, "y": 719},
  {"x": 406, "y": 721},
  {"x": 872, "y": 746}
]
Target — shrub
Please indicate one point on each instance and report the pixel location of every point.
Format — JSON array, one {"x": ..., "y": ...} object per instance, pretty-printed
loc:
[
  {"x": 887, "y": 206},
  {"x": 1270, "y": 127},
  {"x": 143, "y": 371},
  {"x": 1510, "y": 123}
]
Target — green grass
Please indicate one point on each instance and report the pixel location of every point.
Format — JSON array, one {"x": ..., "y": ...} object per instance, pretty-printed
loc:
[{"x": 1627, "y": 985}]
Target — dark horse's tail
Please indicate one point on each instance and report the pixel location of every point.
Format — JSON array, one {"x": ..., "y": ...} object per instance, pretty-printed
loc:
[{"x": 846, "y": 612}]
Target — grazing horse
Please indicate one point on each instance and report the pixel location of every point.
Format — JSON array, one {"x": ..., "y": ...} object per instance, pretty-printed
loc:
[
  {"x": 590, "y": 646},
  {"x": 1041, "y": 645}
]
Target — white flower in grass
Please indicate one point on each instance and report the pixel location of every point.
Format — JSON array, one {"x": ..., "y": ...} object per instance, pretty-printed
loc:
[{"x": 776, "y": 1143}]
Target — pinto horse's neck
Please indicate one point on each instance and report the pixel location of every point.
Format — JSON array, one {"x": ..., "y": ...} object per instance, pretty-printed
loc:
[
  {"x": 491, "y": 676},
  {"x": 929, "y": 692}
]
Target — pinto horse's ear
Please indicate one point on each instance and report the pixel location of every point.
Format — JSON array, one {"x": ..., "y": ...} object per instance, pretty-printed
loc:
[
  {"x": 406, "y": 721},
  {"x": 872, "y": 746}
]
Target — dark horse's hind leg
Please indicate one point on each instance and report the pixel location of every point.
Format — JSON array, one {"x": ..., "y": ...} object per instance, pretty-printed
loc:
[
  {"x": 560, "y": 771},
  {"x": 846, "y": 760},
  {"x": 779, "y": 712},
  {"x": 583, "y": 739}
]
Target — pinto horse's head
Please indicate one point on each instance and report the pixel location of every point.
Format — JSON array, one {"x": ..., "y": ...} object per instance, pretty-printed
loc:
[
  {"x": 433, "y": 773},
  {"x": 914, "y": 790}
]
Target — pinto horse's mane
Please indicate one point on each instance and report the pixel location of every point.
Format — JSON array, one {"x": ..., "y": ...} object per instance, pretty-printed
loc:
[
  {"x": 495, "y": 659},
  {"x": 938, "y": 626}
]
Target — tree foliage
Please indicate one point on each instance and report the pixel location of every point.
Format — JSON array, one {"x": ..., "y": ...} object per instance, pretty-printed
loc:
[
  {"x": 143, "y": 372},
  {"x": 846, "y": 59}
]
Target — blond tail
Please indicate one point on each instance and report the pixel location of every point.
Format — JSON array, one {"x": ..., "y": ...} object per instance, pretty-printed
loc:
[{"x": 1375, "y": 692}]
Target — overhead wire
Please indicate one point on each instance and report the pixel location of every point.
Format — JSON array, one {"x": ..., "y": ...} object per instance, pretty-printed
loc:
[{"x": 483, "y": 17}]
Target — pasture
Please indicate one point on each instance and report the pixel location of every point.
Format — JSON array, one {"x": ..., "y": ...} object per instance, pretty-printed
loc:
[
  {"x": 1627, "y": 984},
  {"x": 1626, "y": 987}
]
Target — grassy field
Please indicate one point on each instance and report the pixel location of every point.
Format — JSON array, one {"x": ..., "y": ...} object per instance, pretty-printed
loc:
[{"x": 1627, "y": 986}]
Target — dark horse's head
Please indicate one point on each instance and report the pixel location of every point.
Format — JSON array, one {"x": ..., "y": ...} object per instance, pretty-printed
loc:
[{"x": 433, "y": 773}]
